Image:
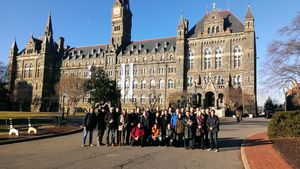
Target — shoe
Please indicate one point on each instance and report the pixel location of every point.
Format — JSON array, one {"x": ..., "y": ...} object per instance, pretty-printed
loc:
[
  {"x": 82, "y": 145},
  {"x": 91, "y": 145},
  {"x": 217, "y": 150},
  {"x": 107, "y": 145},
  {"x": 209, "y": 149},
  {"x": 112, "y": 145}
]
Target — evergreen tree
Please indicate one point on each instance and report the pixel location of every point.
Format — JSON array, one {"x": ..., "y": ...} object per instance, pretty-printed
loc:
[{"x": 102, "y": 90}]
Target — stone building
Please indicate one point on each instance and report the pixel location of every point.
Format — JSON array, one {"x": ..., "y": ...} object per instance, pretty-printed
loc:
[{"x": 200, "y": 61}]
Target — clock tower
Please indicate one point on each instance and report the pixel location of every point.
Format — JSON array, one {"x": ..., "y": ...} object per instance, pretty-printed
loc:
[{"x": 121, "y": 24}]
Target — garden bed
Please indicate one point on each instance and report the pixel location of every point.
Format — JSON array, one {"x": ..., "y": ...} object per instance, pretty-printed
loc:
[{"x": 289, "y": 149}]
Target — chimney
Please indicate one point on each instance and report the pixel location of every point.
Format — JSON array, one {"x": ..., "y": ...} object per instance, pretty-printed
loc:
[{"x": 61, "y": 42}]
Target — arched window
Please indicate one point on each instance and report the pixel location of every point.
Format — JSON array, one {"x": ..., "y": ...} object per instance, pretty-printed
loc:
[
  {"x": 239, "y": 80},
  {"x": 191, "y": 60},
  {"x": 213, "y": 30},
  {"x": 170, "y": 84},
  {"x": 219, "y": 80},
  {"x": 126, "y": 84},
  {"x": 135, "y": 84},
  {"x": 237, "y": 57},
  {"x": 190, "y": 81},
  {"x": 134, "y": 98},
  {"x": 208, "y": 30},
  {"x": 143, "y": 86},
  {"x": 151, "y": 99},
  {"x": 152, "y": 84},
  {"x": 206, "y": 78},
  {"x": 217, "y": 29},
  {"x": 160, "y": 99},
  {"x": 25, "y": 70},
  {"x": 161, "y": 84},
  {"x": 207, "y": 59},
  {"x": 126, "y": 100},
  {"x": 119, "y": 84},
  {"x": 143, "y": 99},
  {"x": 218, "y": 58},
  {"x": 38, "y": 70}
]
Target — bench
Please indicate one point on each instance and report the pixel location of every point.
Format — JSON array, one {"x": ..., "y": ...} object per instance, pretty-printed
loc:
[{"x": 13, "y": 130}]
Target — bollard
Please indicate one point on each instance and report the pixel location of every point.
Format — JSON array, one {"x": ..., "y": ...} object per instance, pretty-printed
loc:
[
  {"x": 12, "y": 130},
  {"x": 30, "y": 128}
]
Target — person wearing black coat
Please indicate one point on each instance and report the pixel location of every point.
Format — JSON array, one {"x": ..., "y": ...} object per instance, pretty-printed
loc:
[
  {"x": 89, "y": 125},
  {"x": 111, "y": 120},
  {"x": 144, "y": 120},
  {"x": 164, "y": 121},
  {"x": 101, "y": 125},
  {"x": 213, "y": 123}
]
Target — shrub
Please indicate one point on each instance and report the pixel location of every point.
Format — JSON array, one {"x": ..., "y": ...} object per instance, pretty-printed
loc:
[{"x": 284, "y": 124}]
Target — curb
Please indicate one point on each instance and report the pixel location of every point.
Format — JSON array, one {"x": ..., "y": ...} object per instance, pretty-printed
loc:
[
  {"x": 41, "y": 137},
  {"x": 243, "y": 154}
]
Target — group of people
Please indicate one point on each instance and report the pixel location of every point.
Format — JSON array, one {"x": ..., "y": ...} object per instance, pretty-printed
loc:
[{"x": 189, "y": 128}]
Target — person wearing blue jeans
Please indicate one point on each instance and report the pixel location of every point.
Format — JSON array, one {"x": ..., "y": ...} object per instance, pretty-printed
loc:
[
  {"x": 213, "y": 123},
  {"x": 89, "y": 124},
  {"x": 111, "y": 120}
]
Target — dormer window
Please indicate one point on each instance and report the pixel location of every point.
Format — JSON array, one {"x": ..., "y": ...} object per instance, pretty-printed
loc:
[{"x": 217, "y": 29}]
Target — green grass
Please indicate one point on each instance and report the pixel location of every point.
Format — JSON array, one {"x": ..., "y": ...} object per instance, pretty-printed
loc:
[{"x": 17, "y": 115}]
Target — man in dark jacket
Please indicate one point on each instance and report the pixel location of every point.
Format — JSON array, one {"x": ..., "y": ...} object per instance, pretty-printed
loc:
[
  {"x": 213, "y": 123},
  {"x": 111, "y": 120},
  {"x": 101, "y": 125},
  {"x": 89, "y": 125},
  {"x": 145, "y": 124}
]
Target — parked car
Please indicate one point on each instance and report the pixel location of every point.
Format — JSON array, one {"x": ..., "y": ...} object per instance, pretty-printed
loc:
[{"x": 269, "y": 113}]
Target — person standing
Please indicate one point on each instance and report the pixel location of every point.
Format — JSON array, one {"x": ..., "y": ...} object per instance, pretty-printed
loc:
[
  {"x": 179, "y": 131},
  {"x": 174, "y": 118},
  {"x": 213, "y": 123},
  {"x": 205, "y": 129},
  {"x": 144, "y": 120},
  {"x": 89, "y": 125},
  {"x": 199, "y": 137},
  {"x": 111, "y": 120},
  {"x": 101, "y": 125},
  {"x": 122, "y": 128},
  {"x": 189, "y": 136},
  {"x": 165, "y": 120}
]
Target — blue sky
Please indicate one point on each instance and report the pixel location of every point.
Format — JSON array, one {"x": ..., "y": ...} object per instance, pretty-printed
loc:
[{"x": 87, "y": 22}]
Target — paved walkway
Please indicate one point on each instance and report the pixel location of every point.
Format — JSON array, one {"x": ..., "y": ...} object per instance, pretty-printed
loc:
[
  {"x": 66, "y": 152},
  {"x": 260, "y": 153}
]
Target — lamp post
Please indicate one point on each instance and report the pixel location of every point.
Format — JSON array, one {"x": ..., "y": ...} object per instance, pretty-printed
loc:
[{"x": 285, "y": 90}]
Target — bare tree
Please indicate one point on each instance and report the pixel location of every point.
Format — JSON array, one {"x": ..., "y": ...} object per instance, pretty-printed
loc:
[
  {"x": 233, "y": 97},
  {"x": 71, "y": 87},
  {"x": 249, "y": 103},
  {"x": 282, "y": 67},
  {"x": 3, "y": 72},
  {"x": 177, "y": 99}
]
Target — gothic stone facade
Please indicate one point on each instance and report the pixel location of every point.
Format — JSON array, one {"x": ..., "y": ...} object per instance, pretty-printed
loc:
[{"x": 200, "y": 61}]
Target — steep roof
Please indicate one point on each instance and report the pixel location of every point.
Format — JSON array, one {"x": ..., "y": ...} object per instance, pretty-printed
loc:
[
  {"x": 85, "y": 51},
  {"x": 152, "y": 45},
  {"x": 230, "y": 21},
  {"x": 249, "y": 13}
]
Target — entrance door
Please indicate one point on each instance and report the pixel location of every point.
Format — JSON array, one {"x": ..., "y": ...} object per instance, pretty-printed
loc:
[{"x": 209, "y": 99}]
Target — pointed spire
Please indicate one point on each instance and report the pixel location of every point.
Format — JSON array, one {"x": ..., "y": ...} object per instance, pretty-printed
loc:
[
  {"x": 249, "y": 11},
  {"x": 14, "y": 46},
  {"x": 48, "y": 30},
  {"x": 181, "y": 20}
]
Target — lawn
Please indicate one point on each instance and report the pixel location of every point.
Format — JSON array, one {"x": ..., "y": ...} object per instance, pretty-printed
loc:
[{"x": 18, "y": 115}]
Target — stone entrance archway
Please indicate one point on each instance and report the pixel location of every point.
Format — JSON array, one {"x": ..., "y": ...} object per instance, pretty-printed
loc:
[{"x": 209, "y": 100}]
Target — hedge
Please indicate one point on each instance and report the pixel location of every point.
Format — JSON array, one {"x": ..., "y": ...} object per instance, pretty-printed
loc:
[{"x": 284, "y": 124}]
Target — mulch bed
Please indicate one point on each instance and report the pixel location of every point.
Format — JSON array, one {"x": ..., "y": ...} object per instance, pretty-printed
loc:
[{"x": 289, "y": 149}]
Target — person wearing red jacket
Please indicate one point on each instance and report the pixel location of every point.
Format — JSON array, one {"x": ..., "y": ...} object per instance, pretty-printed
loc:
[{"x": 137, "y": 135}]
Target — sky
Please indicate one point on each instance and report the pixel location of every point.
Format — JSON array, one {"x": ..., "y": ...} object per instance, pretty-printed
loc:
[{"x": 88, "y": 22}]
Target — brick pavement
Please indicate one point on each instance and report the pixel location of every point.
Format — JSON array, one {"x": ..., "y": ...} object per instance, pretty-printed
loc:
[{"x": 261, "y": 155}]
